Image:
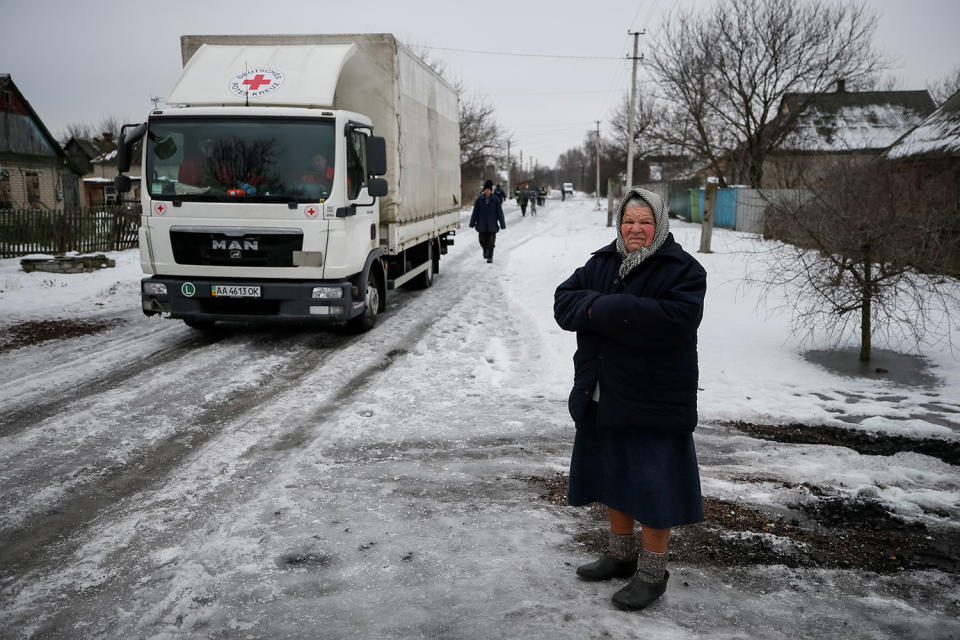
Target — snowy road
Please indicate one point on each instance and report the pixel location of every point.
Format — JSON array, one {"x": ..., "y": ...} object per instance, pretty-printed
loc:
[{"x": 273, "y": 482}]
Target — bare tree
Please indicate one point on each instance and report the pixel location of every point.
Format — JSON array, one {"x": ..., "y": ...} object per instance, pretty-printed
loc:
[
  {"x": 107, "y": 128},
  {"x": 482, "y": 140},
  {"x": 725, "y": 71},
  {"x": 871, "y": 248},
  {"x": 645, "y": 117},
  {"x": 75, "y": 130},
  {"x": 945, "y": 86}
]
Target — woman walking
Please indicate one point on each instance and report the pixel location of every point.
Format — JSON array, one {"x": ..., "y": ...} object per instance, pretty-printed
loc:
[{"x": 635, "y": 306}]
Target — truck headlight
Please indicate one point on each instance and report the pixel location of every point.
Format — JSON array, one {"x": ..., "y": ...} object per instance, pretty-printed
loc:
[
  {"x": 327, "y": 292},
  {"x": 155, "y": 288}
]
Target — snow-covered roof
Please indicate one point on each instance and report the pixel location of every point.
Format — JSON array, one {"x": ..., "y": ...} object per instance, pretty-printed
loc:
[
  {"x": 938, "y": 135},
  {"x": 852, "y": 121}
]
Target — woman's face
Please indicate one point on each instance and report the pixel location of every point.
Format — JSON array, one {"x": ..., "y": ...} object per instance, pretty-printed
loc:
[{"x": 637, "y": 227}]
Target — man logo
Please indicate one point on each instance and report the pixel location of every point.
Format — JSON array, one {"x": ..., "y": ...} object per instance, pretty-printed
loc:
[{"x": 249, "y": 244}]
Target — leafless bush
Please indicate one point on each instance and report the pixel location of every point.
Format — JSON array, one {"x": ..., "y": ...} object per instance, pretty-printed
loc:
[{"x": 872, "y": 248}]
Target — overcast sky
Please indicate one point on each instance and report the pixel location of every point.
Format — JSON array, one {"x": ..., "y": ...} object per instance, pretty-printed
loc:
[{"x": 81, "y": 60}]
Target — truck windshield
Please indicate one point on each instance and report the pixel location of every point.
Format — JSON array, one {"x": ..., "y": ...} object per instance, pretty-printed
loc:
[{"x": 265, "y": 160}]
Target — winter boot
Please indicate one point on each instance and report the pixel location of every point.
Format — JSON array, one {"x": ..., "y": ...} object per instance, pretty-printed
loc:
[
  {"x": 647, "y": 584},
  {"x": 619, "y": 562}
]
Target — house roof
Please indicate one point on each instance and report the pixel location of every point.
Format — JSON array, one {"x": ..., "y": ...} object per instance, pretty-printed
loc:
[
  {"x": 92, "y": 147},
  {"x": 844, "y": 121},
  {"x": 936, "y": 137},
  {"x": 32, "y": 125}
]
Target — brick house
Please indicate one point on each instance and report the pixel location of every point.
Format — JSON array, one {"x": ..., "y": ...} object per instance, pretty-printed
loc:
[{"x": 35, "y": 173}]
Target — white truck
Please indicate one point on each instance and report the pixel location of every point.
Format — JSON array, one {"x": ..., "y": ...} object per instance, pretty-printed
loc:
[{"x": 261, "y": 191}]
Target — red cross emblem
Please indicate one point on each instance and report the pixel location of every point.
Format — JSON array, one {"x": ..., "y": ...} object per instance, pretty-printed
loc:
[
  {"x": 160, "y": 208},
  {"x": 311, "y": 212},
  {"x": 256, "y": 81}
]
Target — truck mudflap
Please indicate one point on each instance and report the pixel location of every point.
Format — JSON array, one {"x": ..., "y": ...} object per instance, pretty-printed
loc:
[{"x": 233, "y": 300}]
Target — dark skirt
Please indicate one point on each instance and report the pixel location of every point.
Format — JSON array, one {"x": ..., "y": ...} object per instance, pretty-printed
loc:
[{"x": 652, "y": 477}]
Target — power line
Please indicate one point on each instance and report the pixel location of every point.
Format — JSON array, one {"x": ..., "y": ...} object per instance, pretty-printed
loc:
[{"x": 525, "y": 55}]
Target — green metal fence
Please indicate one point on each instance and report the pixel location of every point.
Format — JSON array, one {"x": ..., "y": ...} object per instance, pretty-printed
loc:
[{"x": 102, "y": 228}]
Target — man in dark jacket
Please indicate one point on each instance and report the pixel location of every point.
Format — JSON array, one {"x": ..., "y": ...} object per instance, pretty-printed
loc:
[
  {"x": 487, "y": 215},
  {"x": 500, "y": 193},
  {"x": 635, "y": 305}
]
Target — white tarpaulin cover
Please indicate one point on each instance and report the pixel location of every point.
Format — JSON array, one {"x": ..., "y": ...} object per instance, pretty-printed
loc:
[{"x": 300, "y": 75}]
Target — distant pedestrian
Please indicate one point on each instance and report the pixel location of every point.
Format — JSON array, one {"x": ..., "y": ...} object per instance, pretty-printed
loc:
[
  {"x": 500, "y": 193},
  {"x": 635, "y": 305},
  {"x": 523, "y": 196},
  {"x": 533, "y": 202},
  {"x": 488, "y": 219}
]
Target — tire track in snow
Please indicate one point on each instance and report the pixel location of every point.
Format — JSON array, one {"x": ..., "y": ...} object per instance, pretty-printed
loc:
[{"x": 22, "y": 547}]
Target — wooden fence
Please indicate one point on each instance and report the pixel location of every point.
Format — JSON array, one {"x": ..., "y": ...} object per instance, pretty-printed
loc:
[{"x": 93, "y": 229}]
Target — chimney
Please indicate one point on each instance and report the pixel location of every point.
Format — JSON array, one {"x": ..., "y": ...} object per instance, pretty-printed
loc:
[
  {"x": 841, "y": 86},
  {"x": 107, "y": 136}
]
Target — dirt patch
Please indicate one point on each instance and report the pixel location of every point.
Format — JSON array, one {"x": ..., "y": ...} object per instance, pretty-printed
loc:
[
  {"x": 28, "y": 333},
  {"x": 829, "y": 532},
  {"x": 862, "y": 442}
]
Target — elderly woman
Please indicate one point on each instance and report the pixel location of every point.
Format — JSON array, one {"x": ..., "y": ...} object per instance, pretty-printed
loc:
[{"x": 635, "y": 305}]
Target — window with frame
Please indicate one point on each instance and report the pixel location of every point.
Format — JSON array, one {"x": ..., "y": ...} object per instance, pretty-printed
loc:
[
  {"x": 6, "y": 199},
  {"x": 356, "y": 164},
  {"x": 32, "y": 180}
]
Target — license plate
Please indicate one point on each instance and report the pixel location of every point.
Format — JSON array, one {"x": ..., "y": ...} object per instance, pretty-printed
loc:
[{"x": 234, "y": 291}]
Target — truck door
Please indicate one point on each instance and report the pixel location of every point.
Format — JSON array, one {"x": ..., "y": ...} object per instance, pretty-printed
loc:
[{"x": 365, "y": 223}]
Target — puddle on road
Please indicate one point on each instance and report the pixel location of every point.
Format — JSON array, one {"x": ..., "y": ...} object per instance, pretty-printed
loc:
[
  {"x": 899, "y": 368},
  {"x": 829, "y": 532}
]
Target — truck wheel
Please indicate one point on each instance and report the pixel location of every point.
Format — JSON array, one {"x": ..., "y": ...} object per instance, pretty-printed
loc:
[
  {"x": 366, "y": 320},
  {"x": 424, "y": 280}
]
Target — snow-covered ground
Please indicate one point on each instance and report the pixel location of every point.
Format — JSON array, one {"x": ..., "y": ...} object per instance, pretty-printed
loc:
[{"x": 274, "y": 482}]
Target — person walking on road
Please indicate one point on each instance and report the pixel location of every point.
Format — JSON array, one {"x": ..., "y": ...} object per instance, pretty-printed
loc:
[
  {"x": 635, "y": 306},
  {"x": 487, "y": 218}
]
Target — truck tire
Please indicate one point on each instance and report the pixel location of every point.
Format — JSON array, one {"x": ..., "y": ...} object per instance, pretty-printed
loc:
[
  {"x": 424, "y": 280},
  {"x": 366, "y": 320}
]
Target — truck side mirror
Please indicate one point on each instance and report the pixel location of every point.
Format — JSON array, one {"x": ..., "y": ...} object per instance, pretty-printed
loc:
[
  {"x": 125, "y": 144},
  {"x": 377, "y": 187},
  {"x": 122, "y": 183},
  {"x": 376, "y": 156}
]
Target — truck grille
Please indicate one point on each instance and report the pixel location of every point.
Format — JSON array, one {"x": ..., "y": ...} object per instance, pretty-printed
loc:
[{"x": 228, "y": 247}]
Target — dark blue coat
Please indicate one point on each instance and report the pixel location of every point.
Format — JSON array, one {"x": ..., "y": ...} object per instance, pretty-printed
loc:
[
  {"x": 634, "y": 448},
  {"x": 487, "y": 214}
]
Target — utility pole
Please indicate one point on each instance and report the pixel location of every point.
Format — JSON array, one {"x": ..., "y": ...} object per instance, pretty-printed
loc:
[
  {"x": 508, "y": 166},
  {"x": 633, "y": 102},
  {"x": 521, "y": 162},
  {"x": 598, "y": 165}
]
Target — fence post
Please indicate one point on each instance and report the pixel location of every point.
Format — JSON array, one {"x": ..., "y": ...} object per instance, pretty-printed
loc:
[{"x": 709, "y": 206}]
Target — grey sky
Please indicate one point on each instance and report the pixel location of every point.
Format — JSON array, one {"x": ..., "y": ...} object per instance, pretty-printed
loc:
[{"x": 80, "y": 60}]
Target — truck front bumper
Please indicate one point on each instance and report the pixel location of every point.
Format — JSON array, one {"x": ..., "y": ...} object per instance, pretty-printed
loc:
[{"x": 278, "y": 300}]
